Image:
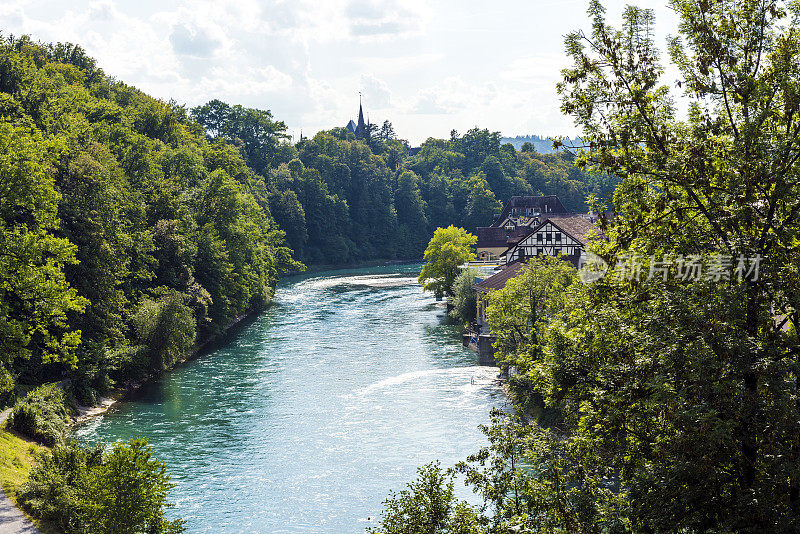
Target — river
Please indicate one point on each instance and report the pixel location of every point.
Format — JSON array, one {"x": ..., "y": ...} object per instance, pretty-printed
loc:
[{"x": 304, "y": 420}]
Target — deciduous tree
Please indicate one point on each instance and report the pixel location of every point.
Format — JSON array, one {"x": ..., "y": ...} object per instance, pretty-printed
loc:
[{"x": 448, "y": 249}]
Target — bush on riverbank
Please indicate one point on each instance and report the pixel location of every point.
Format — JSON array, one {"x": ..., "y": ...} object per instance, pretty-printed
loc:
[
  {"x": 43, "y": 415},
  {"x": 166, "y": 328},
  {"x": 465, "y": 298},
  {"x": 89, "y": 490}
]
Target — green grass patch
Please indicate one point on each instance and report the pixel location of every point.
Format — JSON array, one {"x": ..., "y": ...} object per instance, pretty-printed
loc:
[{"x": 17, "y": 459}]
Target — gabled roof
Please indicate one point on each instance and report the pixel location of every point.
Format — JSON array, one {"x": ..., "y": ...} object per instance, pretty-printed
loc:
[
  {"x": 493, "y": 236},
  {"x": 578, "y": 227},
  {"x": 498, "y": 280}
]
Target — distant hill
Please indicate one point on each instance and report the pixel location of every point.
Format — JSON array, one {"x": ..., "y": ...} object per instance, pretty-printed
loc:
[{"x": 543, "y": 145}]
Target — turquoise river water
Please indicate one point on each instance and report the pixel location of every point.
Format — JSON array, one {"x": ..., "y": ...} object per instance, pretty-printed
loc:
[{"x": 304, "y": 420}]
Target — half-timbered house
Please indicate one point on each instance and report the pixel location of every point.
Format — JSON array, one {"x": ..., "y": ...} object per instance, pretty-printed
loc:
[
  {"x": 564, "y": 236},
  {"x": 517, "y": 219},
  {"x": 551, "y": 234}
]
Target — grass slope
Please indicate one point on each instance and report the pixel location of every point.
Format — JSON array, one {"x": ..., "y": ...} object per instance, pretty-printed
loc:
[{"x": 17, "y": 457}]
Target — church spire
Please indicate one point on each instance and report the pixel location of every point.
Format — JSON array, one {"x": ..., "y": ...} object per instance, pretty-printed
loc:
[{"x": 361, "y": 127}]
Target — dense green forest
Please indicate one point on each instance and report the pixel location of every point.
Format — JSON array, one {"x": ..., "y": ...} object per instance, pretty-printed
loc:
[
  {"x": 340, "y": 200},
  {"x": 125, "y": 235},
  {"x": 130, "y": 228}
]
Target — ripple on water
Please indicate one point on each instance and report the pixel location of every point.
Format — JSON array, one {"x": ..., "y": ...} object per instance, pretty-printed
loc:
[{"x": 307, "y": 419}]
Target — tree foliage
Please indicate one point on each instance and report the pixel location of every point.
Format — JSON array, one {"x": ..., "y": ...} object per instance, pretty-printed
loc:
[
  {"x": 127, "y": 493},
  {"x": 35, "y": 296},
  {"x": 677, "y": 391},
  {"x": 448, "y": 249},
  {"x": 113, "y": 203},
  {"x": 465, "y": 298},
  {"x": 92, "y": 490},
  {"x": 428, "y": 506},
  {"x": 519, "y": 312}
]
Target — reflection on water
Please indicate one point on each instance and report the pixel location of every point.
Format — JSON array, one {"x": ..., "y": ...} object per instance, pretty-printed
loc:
[{"x": 305, "y": 420}]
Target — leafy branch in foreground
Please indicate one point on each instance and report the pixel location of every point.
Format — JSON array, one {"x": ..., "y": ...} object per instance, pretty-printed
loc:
[{"x": 428, "y": 506}]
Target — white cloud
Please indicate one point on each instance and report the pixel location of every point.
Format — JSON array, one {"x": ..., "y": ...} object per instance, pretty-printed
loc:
[
  {"x": 376, "y": 92},
  {"x": 427, "y": 67},
  {"x": 12, "y": 16},
  {"x": 536, "y": 69},
  {"x": 452, "y": 95},
  {"x": 194, "y": 42}
]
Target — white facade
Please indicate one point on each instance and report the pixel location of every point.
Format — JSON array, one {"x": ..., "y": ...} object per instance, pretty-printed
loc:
[{"x": 547, "y": 240}]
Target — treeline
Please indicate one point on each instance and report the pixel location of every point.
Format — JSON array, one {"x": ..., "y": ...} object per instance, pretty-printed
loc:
[
  {"x": 543, "y": 145},
  {"x": 340, "y": 200},
  {"x": 125, "y": 235}
]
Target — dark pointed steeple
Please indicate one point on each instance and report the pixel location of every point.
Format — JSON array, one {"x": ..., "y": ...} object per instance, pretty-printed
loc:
[{"x": 361, "y": 127}]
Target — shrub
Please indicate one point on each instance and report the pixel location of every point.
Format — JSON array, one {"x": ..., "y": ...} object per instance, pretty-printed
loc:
[
  {"x": 52, "y": 489},
  {"x": 465, "y": 299},
  {"x": 166, "y": 327},
  {"x": 128, "y": 492},
  {"x": 88, "y": 490},
  {"x": 42, "y": 415},
  {"x": 428, "y": 505}
]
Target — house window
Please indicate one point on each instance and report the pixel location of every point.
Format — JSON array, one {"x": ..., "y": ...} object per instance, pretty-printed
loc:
[
  {"x": 539, "y": 237},
  {"x": 549, "y": 237},
  {"x": 558, "y": 237}
]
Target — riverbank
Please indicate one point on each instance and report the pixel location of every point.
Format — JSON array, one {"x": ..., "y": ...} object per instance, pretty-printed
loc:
[
  {"x": 308, "y": 418},
  {"x": 18, "y": 454},
  {"x": 86, "y": 413}
]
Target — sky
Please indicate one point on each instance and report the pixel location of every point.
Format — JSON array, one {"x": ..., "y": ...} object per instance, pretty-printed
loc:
[{"x": 428, "y": 66}]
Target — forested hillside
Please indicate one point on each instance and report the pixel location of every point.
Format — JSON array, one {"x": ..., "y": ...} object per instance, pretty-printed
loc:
[
  {"x": 341, "y": 200},
  {"x": 125, "y": 234},
  {"x": 130, "y": 227}
]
